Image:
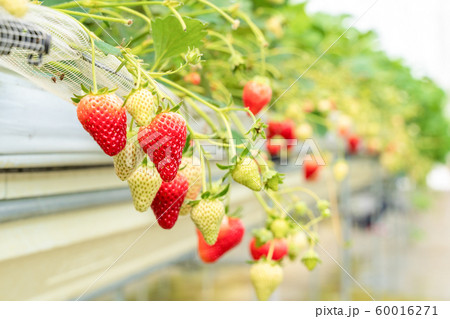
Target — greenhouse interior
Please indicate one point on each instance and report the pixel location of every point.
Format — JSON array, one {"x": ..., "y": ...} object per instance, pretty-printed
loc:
[{"x": 224, "y": 150}]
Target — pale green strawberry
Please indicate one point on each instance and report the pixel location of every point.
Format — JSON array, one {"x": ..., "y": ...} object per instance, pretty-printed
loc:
[
  {"x": 144, "y": 183},
  {"x": 296, "y": 243},
  {"x": 265, "y": 277},
  {"x": 310, "y": 259},
  {"x": 142, "y": 105},
  {"x": 279, "y": 227},
  {"x": 246, "y": 172},
  {"x": 193, "y": 173},
  {"x": 126, "y": 162},
  {"x": 207, "y": 215}
]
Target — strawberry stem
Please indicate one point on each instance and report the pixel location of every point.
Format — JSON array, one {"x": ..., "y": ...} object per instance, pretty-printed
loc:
[
  {"x": 262, "y": 202},
  {"x": 300, "y": 189},
  {"x": 313, "y": 221},
  {"x": 220, "y": 11},
  {"x": 202, "y": 165},
  {"x": 97, "y": 17},
  {"x": 131, "y": 124},
  {"x": 178, "y": 16},
  {"x": 231, "y": 149}
]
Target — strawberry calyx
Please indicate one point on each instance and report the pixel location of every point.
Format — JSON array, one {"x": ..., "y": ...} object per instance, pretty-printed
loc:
[
  {"x": 261, "y": 80},
  {"x": 262, "y": 236},
  {"x": 88, "y": 91},
  {"x": 258, "y": 129},
  {"x": 235, "y": 161},
  {"x": 216, "y": 192},
  {"x": 264, "y": 260},
  {"x": 272, "y": 179}
]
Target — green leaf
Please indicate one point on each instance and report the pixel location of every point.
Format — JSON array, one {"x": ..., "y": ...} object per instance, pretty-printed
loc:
[
  {"x": 223, "y": 167},
  {"x": 176, "y": 107},
  {"x": 193, "y": 203},
  {"x": 170, "y": 39},
  {"x": 245, "y": 152},
  {"x": 205, "y": 195},
  {"x": 223, "y": 192},
  {"x": 107, "y": 48}
]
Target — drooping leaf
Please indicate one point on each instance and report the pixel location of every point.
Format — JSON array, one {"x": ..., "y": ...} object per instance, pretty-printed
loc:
[{"x": 170, "y": 39}]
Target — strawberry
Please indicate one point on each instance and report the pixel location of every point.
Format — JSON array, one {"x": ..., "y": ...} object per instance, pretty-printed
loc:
[
  {"x": 105, "y": 119},
  {"x": 230, "y": 235},
  {"x": 193, "y": 174},
  {"x": 193, "y": 78},
  {"x": 280, "y": 249},
  {"x": 353, "y": 142},
  {"x": 288, "y": 129},
  {"x": 163, "y": 140},
  {"x": 167, "y": 203},
  {"x": 304, "y": 131},
  {"x": 142, "y": 106},
  {"x": 265, "y": 277},
  {"x": 310, "y": 259},
  {"x": 284, "y": 129},
  {"x": 273, "y": 128},
  {"x": 246, "y": 172},
  {"x": 257, "y": 94},
  {"x": 279, "y": 227},
  {"x": 127, "y": 160},
  {"x": 207, "y": 215},
  {"x": 340, "y": 170},
  {"x": 325, "y": 106},
  {"x": 273, "y": 147},
  {"x": 344, "y": 124},
  {"x": 308, "y": 106},
  {"x": 296, "y": 243},
  {"x": 144, "y": 183},
  {"x": 310, "y": 169}
]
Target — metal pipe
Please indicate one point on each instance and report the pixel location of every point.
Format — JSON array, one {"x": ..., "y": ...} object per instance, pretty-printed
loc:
[{"x": 31, "y": 207}]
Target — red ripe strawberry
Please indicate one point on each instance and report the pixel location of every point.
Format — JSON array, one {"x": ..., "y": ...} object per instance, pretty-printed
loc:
[
  {"x": 257, "y": 94},
  {"x": 273, "y": 146},
  {"x": 310, "y": 169},
  {"x": 280, "y": 249},
  {"x": 193, "y": 78},
  {"x": 273, "y": 128},
  {"x": 288, "y": 129},
  {"x": 167, "y": 203},
  {"x": 353, "y": 143},
  {"x": 105, "y": 119},
  {"x": 285, "y": 129},
  {"x": 163, "y": 140},
  {"x": 230, "y": 235}
]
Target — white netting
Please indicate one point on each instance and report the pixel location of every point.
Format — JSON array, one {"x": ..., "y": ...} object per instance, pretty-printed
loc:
[{"x": 24, "y": 47}]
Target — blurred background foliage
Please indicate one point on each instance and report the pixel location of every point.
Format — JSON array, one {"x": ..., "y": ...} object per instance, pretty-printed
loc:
[{"x": 339, "y": 71}]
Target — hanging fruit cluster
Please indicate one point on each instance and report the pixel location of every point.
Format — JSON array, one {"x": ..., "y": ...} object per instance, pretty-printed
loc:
[{"x": 224, "y": 65}]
